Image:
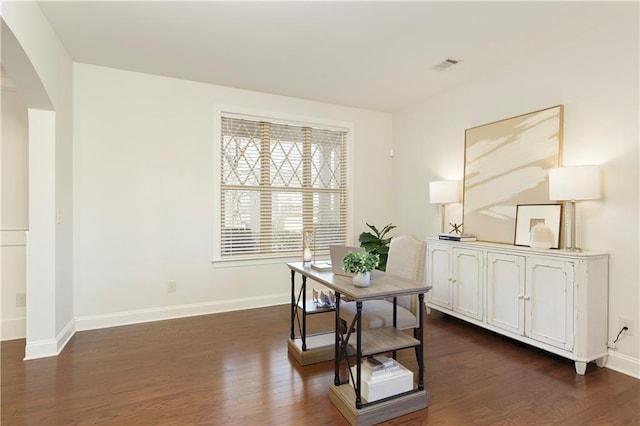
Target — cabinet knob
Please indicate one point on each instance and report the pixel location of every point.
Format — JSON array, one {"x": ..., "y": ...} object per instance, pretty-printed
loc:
[
  {"x": 527, "y": 298},
  {"x": 520, "y": 296}
]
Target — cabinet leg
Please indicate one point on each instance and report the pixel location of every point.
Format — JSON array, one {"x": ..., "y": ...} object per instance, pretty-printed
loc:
[
  {"x": 581, "y": 367},
  {"x": 601, "y": 362}
]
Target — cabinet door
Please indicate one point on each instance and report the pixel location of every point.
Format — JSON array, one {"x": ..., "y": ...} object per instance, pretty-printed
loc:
[
  {"x": 439, "y": 274},
  {"x": 505, "y": 291},
  {"x": 467, "y": 282},
  {"x": 549, "y": 302}
]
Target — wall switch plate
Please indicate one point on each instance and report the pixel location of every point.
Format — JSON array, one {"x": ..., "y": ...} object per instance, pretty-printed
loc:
[
  {"x": 171, "y": 286},
  {"x": 21, "y": 300}
]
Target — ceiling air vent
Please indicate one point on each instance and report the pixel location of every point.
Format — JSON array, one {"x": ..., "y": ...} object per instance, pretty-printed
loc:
[{"x": 446, "y": 64}]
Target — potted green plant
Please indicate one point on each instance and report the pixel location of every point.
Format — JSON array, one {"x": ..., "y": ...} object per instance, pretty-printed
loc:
[
  {"x": 360, "y": 264},
  {"x": 377, "y": 243}
]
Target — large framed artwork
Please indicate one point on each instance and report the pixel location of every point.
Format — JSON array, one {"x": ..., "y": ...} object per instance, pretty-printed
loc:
[{"x": 507, "y": 163}]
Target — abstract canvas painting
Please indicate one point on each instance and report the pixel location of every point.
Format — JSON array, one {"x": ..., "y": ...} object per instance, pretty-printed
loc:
[{"x": 506, "y": 164}]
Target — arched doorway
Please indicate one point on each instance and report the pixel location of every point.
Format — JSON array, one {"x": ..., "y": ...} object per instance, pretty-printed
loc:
[
  {"x": 40, "y": 237},
  {"x": 14, "y": 214}
]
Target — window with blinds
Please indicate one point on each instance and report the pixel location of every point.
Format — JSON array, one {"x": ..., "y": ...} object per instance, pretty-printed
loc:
[{"x": 276, "y": 181}]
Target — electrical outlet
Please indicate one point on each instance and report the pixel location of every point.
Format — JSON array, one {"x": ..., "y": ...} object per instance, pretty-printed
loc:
[
  {"x": 626, "y": 322},
  {"x": 171, "y": 286},
  {"x": 21, "y": 300}
]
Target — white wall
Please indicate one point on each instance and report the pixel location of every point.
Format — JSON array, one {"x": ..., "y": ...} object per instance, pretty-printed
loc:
[
  {"x": 143, "y": 188},
  {"x": 13, "y": 212},
  {"x": 595, "y": 76},
  {"x": 38, "y": 63},
  {"x": 14, "y": 161}
]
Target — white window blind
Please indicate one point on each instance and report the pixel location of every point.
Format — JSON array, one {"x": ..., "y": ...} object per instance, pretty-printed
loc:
[{"x": 276, "y": 181}]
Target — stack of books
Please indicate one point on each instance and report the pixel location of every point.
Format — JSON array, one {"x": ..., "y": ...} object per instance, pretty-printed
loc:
[
  {"x": 324, "y": 300},
  {"x": 382, "y": 377},
  {"x": 457, "y": 237},
  {"x": 379, "y": 366},
  {"x": 321, "y": 266}
]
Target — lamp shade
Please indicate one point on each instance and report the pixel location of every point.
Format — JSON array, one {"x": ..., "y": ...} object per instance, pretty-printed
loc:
[
  {"x": 574, "y": 183},
  {"x": 444, "y": 191}
]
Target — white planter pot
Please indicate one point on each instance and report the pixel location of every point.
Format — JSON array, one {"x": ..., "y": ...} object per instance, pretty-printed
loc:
[{"x": 361, "y": 279}]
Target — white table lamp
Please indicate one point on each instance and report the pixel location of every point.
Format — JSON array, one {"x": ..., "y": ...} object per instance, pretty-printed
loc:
[
  {"x": 574, "y": 183},
  {"x": 444, "y": 192}
]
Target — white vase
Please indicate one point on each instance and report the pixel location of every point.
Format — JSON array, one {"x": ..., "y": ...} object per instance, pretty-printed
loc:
[
  {"x": 306, "y": 255},
  {"x": 361, "y": 279},
  {"x": 541, "y": 237}
]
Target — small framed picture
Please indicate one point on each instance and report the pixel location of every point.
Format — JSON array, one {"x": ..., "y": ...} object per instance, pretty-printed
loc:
[{"x": 529, "y": 215}]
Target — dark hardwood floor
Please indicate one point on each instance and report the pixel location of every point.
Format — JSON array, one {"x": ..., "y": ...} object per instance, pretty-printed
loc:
[{"x": 233, "y": 369}]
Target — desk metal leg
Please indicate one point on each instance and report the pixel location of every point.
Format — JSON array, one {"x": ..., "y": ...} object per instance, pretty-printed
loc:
[
  {"x": 421, "y": 339},
  {"x": 336, "y": 378},
  {"x": 304, "y": 313},
  {"x": 359, "y": 355},
  {"x": 293, "y": 303},
  {"x": 395, "y": 312},
  {"x": 395, "y": 321}
]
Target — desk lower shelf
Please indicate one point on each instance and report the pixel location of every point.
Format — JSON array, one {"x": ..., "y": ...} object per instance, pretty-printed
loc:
[
  {"x": 320, "y": 347},
  {"x": 380, "y": 340}
]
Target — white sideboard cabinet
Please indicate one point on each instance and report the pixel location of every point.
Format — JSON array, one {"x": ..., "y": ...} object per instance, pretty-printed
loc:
[
  {"x": 456, "y": 276},
  {"x": 553, "y": 299}
]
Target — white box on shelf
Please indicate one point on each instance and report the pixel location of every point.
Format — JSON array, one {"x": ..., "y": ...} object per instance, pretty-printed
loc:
[{"x": 374, "y": 388}]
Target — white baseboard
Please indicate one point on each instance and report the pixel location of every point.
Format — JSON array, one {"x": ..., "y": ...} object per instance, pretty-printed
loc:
[
  {"x": 50, "y": 347},
  {"x": 94, "y": 322},
  {"x": 13, "y": 328},
  {"x": 40, "y": 349},
  {"x": 65, "y": 335},
  {"x": 623, "y": 364}
]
